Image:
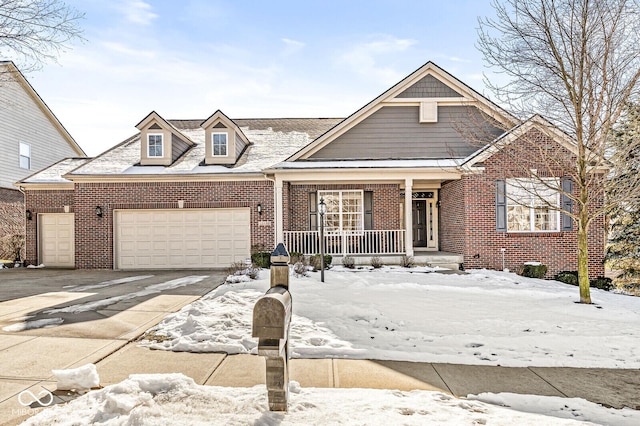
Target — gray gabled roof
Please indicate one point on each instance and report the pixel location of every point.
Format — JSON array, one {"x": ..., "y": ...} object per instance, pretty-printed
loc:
[{"x": 272, "y": 140}]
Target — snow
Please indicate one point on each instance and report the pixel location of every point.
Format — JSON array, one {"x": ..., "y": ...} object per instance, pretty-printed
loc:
[
  {"x": 483, "y": 318},
  {"x": 567, "y": 408},
  {"x": 30, "y": 325},
  {"x": 77, "y": 379},
  {"x": 176, "y": 399},
  {"x": 54, "y": 173},
  {"x": 392, "y": 313},
  {"x": 108, "y": 283},
  {"x": 365, "y": 164}
]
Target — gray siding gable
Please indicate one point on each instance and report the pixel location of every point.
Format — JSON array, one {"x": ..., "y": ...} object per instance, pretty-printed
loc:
[
  {"x": 178, "y": 147},
  {"x": 429, "y": 87},
  {"x": 394, "y": 132}
]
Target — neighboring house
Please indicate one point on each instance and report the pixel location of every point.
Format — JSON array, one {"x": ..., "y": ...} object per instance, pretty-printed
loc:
[
  {"x": 400, "y": 176},
  {"x": 31, "y": 138}
]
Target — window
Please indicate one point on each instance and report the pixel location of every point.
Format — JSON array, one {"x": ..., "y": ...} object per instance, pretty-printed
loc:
[
  {"x": 219, "y": 144},
  {"x": 25, "y": 156},
  {"x": 154, "y": 145},
  {"x": 532, "y": 206},
  {"x": 344, "y": 210}
]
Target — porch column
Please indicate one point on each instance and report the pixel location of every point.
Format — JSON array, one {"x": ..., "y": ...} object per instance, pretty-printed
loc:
[
  {"x": 279, "y": 211},
  {"x": 408, "y": 218}
]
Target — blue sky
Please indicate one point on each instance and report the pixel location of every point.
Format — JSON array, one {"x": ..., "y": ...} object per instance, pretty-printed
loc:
[{"x": 186, "y": 59}]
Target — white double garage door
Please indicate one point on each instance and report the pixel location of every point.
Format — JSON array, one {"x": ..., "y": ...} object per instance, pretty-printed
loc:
[{"x": 160, "y": 239}]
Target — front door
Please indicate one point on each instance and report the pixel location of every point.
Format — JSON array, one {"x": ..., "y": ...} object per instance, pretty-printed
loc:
[{"x": 419, "y": 215}]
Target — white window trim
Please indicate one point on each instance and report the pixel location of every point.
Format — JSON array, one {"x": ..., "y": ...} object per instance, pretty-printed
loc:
[
  {"x": 21, "y": 155},
  {"x": 532, "y": 218},
  {"x": 149, "y": 146},
  {"x": 322, "y": 194},
  {"x": 226, "y": 140}
]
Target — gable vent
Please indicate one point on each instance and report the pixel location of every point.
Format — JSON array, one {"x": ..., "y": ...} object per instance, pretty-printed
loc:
[{"x": 428, "y": 112}]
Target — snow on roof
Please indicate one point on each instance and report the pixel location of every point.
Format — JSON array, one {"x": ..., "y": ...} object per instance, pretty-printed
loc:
[
  {"x": 54, "y": 173},
  {"x": 360, "y": 164},
  {"x": 272, "y": 141}
]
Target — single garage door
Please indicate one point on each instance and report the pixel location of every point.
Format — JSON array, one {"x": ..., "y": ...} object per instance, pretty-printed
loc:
[
  {"x": 56, "y": 239},
  {"x": 181, "y": 238}
]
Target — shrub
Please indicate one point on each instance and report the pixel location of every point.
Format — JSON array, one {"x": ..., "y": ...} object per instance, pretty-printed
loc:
[
  {"x": 296, "y": 257},
  {"x": 300, "y": 268},
  {"x": 262, "y": 259},
  {"x": 241, "y": 268},
  {"x": 376, "y": 262},
  {"x": 568, "y": 277},
  {"x": 314, "y": 261},
  {"x": 534, "y": 271},
  {"x": 407, "y": 261},
  {"x": 603, "y": 283},
  {"x": 349, "y": 262}
]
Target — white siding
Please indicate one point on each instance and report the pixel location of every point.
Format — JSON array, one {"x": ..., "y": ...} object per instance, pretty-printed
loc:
[{"x": 22, "y": 120}]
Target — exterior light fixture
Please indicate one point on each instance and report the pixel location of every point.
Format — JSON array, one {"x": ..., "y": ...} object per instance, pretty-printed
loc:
[
  {"x": 259, "y": 208},
  {"x": 98, "y": 211},
  {"x": 322, "y": 210},
  {"x": 29, "y": 215}
]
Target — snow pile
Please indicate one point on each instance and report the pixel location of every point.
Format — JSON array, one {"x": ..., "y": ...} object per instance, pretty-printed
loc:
[
  {"x": 176, "y": 399},
  {"x": 77, "y": 379},
  {"x": 486, "y": 317}
]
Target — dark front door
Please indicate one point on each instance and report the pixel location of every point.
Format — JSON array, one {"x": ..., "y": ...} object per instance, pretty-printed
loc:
[{"x": 419, "y": 215}]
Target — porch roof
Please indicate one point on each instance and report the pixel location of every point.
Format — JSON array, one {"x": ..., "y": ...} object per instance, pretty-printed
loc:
[{"x": 370, "y": 164}]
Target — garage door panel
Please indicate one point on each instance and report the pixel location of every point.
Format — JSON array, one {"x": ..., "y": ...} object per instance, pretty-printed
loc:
[
  {"x": 56, "y": 239},
  {"x": 185, "y": 238}
]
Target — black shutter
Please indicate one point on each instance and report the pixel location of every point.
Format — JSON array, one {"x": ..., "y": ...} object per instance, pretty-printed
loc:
[
  {"x": 368, "y": 209},
  {"x": 566, "y": 221},
  {"x": 501, "y": 205},
  {"x": 313, "y": 211}
]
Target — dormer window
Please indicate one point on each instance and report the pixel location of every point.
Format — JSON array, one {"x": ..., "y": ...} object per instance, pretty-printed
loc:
[
  {"x": 219, "y": 146},
  {"x": 154, "y": 144}
]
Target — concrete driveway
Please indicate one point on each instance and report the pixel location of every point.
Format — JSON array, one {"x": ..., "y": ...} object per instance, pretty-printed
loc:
[{"x": 58, "y": 319}]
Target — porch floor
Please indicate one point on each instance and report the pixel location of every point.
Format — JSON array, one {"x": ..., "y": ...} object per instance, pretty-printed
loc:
[{"x": 422, "y": 257}]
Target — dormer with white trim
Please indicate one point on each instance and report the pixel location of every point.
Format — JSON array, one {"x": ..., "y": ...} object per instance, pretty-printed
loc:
[
  {"x": 224, "y": 141},
  {"x": 160, "y": 143}
]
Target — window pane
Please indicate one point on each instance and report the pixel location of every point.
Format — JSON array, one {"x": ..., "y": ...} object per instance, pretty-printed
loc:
[
  {"x": 25, "y": 149},
  {"x": 155, "y": 145},
  {"x": 518, "y": 218},
  {"x": 344, "y": 210},
  {"x": 25, "y": 162},
  {"x": 219, "y": 144}
]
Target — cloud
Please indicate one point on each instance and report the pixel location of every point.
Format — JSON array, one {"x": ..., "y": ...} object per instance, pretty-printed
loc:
[
  {"x": 137, "y": 11},
  {"x": 370, "y": 58},
  {"x": 291, "y": 46}
]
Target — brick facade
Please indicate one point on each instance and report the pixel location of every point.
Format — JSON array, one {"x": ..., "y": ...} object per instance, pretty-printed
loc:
[
  {"x": 94, "y": 235},
  {"x": 386, "y": 202},
  {"x": 43, "y": 201},
  {"x": 468, "y": 226}
]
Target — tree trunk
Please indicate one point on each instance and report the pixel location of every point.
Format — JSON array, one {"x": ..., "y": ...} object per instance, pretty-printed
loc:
[{"x": 583, "y": 256}]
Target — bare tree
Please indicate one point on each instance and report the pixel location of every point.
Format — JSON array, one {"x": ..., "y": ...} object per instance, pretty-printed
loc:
[
  {"x": 35, "y": 31},
  {"x": 577, "y": 62},
  {"x": 12, "y": 232}
]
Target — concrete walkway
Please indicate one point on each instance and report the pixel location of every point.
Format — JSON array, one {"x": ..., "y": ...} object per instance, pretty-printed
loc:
[{"x": 27, "y": 358}]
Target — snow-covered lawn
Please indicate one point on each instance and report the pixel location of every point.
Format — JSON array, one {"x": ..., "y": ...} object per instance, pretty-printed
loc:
[
  {"x": 174, "y": 399},
  {"x": 485, "y": 317}
]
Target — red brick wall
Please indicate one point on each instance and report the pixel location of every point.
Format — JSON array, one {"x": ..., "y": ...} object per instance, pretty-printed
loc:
[
  {"x": 557, "y": 250},
  {"x": 386, "y": 202},
  {"x": 94, "y": 235},
  {"x": 43, "y": 202},
  {"x": 452, "y": 214}
]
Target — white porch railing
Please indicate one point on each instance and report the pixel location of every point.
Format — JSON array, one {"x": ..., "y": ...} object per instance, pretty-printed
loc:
[{"x": 347, "y": 242}]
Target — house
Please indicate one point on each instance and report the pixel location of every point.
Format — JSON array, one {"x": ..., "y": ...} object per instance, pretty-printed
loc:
[
  {"x": 31, "y": 138},
  {"x": 426, "y": 170}
]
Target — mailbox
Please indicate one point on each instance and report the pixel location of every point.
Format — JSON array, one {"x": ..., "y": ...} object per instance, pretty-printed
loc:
[{"x": 272, "y": 314}]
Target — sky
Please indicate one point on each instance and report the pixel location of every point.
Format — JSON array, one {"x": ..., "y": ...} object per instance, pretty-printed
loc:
[{"x": 250, "y": 59}]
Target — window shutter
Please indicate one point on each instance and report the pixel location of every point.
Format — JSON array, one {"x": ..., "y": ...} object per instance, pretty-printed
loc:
[
  {"x": 313, "y": 211},
  {"x": 501, "y": 205},
  {"x": 567, "y": 204},
  {"x": 368, "y": 209}
]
